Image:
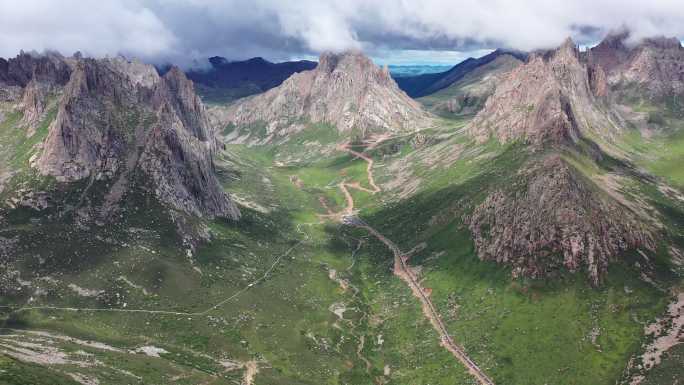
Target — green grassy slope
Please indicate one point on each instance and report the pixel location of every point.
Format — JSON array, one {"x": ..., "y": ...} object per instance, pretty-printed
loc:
[
  {"x": 525, "y": 331},
  {"x": 558, "y": 331}
]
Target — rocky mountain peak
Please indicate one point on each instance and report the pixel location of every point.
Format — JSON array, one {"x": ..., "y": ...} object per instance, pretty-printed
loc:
[
  {"x": 330, "y": 61},
  {"x": 179, "y": 91},
  {"x": 354, "y": 65},
  {"x": 610, "y": 52},
  {"x": 615, "y": 40},
  {"x": 43, "y": 70},
  {"x": 119, "y": 120},
  {"x": 327, "y": 61},
  {"x": 346, "y": 90},
  {"x": 651, "y": 65},
  {"x": 546, "y": 100},
  {"x": 138, "y": 73},
  {"x": 569, "y": 48}
]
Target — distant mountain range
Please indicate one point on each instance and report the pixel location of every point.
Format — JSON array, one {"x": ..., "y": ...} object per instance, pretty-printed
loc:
[
  {"x": 425, "y": 84},
  {"x": 228, "y": 80},
  {"x": 401, "y": 71},
  {"x": 466, "y": 95}
]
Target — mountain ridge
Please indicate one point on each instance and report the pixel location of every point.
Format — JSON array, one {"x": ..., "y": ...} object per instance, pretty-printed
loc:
[
  {"x": 423, "y": 85},
  {"x": 229, "y": 80}
]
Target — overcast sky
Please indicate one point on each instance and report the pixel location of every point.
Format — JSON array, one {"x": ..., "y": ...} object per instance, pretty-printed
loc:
[{"x": 408, "y": 30}]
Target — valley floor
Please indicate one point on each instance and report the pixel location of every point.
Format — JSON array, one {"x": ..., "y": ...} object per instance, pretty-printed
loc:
[{"x": 330, "y": 277}]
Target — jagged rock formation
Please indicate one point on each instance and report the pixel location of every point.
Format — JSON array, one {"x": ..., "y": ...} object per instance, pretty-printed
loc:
[
  {"x": 50, "y": 68},
  {"x": 555, "y": 218},
  {"x": 547, "y": 100},
  {"x": 34, "y": 101},
  {"x": 653, "y": 66},
  {"x": 180, "y": 151},
  {"x": 30, "y": 78},
  {"x": 346, "y": 90},
  {"x": 117, "y": 119}
]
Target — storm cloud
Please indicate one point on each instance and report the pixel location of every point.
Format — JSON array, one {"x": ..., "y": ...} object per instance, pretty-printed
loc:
[{"x": 187, "y": 32}]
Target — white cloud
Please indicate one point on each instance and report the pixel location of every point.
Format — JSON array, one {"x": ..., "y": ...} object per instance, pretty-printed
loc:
[
  {"x": 98, "y": 29},
  {"x": 183, "y": 31}
]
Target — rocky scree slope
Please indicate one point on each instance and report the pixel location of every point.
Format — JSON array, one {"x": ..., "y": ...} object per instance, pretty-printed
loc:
[
  {"x": 345, "y": 90},
  {"x": 553, "y": 217},
  {"x": 117, "y": 120}
]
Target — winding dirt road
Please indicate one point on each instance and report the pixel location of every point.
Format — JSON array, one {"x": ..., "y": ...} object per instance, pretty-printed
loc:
[
  {"x": 344, "y": 186},
  {"x": 403, "y": 271},
  {"x": 369, "y": 168}
]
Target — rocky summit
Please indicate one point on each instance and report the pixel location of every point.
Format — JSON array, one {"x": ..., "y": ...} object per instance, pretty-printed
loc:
[
  {"x": 118, "y": 120},
  {"x": 345, "y": 90},
  {"x": 557, "y": 96},
  {"x": 651, "y": 67},
  {"x": 548, "y": 99}
]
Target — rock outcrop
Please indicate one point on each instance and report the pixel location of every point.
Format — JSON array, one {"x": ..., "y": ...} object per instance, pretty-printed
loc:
[
  {"x": 546, "y": 100},
  {"x": 120, "y": 120},
  {"x": 51, "y": 68},
  {"x": 345, "y": 90},
  {"x": 179, "y": 156},
  {"x": 552, "y": 218},
  {"x": 34, "y": 103}
]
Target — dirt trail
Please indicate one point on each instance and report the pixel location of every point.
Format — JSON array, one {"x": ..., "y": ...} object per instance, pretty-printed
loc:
[
  {"x": 403, "y": 271},
  {"x": 359, "y": 353},
  {"x": 369, "y": 168},
  {"x": 344, "y": 186},
  {"x": 349, "y": 210}
]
